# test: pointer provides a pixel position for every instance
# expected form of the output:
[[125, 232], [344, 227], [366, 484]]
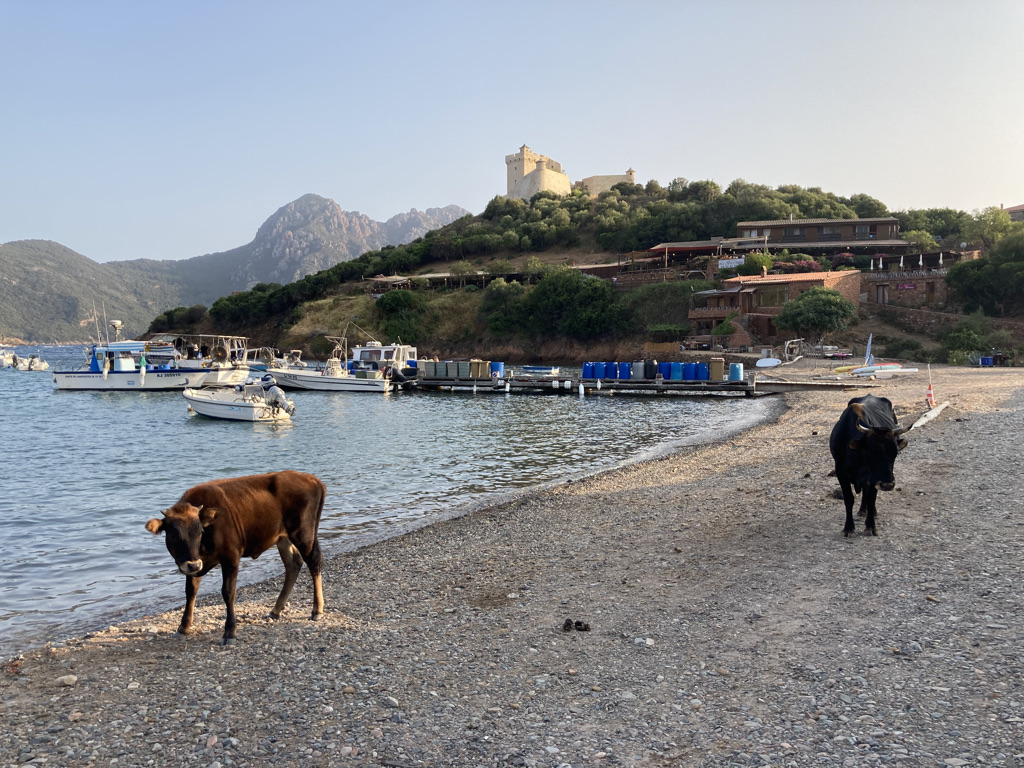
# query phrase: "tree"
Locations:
[[995, 283], [868, 207], [816, 312], [534, 268], [753, 262], [568, 303], [989, 226], [460, 270], [500, 267], [920, 241]]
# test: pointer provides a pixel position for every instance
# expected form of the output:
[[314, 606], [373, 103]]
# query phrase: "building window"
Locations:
[[865, 231], [793, 234], [830, 233], [772, 295]]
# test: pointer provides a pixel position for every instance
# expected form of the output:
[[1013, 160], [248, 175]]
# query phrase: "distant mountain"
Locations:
[[303, 237], [47, 290]]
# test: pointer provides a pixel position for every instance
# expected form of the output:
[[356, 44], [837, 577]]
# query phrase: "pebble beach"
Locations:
[[719, 618]]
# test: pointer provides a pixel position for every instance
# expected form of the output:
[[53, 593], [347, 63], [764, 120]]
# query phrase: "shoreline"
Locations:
[[729, 619], [253, 574]]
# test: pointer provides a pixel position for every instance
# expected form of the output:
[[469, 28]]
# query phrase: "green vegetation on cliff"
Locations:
[[521, 302]]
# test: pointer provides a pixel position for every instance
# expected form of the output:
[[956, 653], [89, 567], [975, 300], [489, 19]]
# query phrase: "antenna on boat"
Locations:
[[106, 332], [96, 319]]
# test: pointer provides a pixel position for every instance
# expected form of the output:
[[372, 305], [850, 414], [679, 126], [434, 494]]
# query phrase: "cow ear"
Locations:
[[154, 526], [854, 444], [901, 444], [206, 516]]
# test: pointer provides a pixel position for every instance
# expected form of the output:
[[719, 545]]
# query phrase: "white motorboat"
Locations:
[[252, 401], [335, 376], [31, 363], [122, 366]]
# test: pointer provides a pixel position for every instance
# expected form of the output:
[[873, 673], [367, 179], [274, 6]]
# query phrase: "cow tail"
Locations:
[[323, 498]]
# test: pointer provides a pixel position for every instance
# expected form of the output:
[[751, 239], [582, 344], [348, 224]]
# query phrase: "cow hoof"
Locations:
[[316, 616], [228, 641], [274, 616]]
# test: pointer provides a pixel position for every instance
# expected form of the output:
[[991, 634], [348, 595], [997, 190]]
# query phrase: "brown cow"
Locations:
[[222, 521]]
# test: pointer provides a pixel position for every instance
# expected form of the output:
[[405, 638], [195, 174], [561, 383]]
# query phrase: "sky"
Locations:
[[170, 130]]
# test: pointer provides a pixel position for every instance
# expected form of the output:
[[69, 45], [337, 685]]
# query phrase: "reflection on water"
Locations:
[[83, 471]]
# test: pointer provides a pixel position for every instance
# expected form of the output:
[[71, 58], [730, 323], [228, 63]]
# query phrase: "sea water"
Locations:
[[82, 472]]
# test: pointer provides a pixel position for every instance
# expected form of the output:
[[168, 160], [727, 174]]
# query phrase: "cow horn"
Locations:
[[901, 430], [862, 428]]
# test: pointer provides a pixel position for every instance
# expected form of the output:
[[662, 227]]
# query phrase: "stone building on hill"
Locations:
[[529, 173]]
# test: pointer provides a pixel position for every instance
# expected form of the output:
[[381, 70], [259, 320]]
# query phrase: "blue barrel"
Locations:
[[497, 370], [599, 370], [703, 374], [624, 370], [677, 371], [588, 370], [611, 370], [665, 369], [689, 371], [735, 371]]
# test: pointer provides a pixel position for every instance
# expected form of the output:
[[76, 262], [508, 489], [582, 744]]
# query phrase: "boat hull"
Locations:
[[318, 382], [128, 381]]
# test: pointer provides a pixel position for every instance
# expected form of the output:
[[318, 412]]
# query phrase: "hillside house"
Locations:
[[917, 281], [824, 236], [756, 299]]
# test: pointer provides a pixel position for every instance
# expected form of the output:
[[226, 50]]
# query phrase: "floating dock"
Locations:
[[574, 385], [639, 378]]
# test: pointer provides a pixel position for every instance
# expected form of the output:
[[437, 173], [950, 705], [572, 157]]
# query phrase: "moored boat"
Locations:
[[540, 370], [222, 357], [31, 363], [252, 402], [122, 366], [335, 376]]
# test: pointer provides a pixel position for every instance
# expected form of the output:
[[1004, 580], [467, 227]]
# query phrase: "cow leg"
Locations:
[[315, 564], [191, 590], [292, 565], [870, 495], [848, 503], [227, 591], [310, 551]]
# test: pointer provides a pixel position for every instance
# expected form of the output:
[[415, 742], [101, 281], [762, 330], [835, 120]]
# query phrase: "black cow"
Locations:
[[222, 521], [864, 444]]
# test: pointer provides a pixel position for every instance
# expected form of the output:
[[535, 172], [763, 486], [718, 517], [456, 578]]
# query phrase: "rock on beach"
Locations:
[[731, 623]]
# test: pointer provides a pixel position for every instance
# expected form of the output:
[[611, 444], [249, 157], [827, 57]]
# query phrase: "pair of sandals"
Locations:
[[579, 626]]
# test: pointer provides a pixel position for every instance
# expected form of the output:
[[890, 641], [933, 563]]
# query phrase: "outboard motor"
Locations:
[[275, 396]]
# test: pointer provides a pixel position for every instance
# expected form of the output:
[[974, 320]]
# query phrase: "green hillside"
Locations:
[[51, 293]]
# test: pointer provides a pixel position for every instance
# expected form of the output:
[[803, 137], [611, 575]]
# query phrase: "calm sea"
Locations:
[[82, 472]]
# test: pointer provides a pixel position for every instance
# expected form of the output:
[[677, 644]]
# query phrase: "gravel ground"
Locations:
[[730, 624]]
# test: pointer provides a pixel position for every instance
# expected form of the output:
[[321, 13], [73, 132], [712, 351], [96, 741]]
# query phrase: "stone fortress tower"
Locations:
[[529, 173]]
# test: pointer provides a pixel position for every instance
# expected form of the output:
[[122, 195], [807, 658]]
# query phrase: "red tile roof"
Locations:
[[798, 277]]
